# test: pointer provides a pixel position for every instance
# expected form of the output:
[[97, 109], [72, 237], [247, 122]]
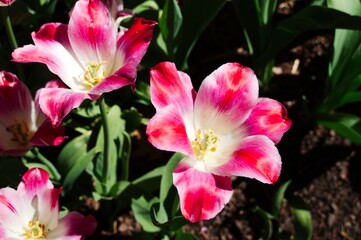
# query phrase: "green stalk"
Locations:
[[125, 160], [107, 166], [11, 37], [54, 172]]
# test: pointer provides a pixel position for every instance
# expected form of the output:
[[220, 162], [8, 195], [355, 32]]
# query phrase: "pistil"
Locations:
[[35, 230], [94, 74], [20, 132], [205, 141]]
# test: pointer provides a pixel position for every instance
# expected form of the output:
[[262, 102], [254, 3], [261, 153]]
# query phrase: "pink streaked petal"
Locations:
[[124, 77], [202, 195], [52, 48], [167, 131], [48, 135], [56, 103], [48, 207], [226, 98], [168, 86], [268, 118], [16, 102], [34, 181], [41, 117], [74, 226], [5, 3], [92, 32], [256, 157], [13, 212], [132, 45]]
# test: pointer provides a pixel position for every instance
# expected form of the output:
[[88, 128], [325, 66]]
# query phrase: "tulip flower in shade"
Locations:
[[5, 3], [22, 123], [224, 130], [89, 55], [32, 212]]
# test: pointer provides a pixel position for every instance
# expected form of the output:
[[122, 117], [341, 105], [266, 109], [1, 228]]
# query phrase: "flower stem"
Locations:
[[107, 166], [11, 37], [54, 172]]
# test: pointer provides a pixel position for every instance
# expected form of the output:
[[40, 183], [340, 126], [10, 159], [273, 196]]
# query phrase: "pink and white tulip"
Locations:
[[32, 212], [224, 130], [22, 123], [5, 3], [89, 55]]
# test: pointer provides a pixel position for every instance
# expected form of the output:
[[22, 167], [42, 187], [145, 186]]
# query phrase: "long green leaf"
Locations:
[[194, 22], [347, 125], [279, 196], [170, 22], [302, 218], [141, 208], [73, 159], [309, 18]]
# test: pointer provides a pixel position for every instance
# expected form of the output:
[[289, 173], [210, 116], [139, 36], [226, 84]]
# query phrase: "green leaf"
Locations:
[[170, 22], [347, 125], [149, 5], [184, 236], [267, 229], [116, 132], [302, 218], [119, 188], [167, 178], [151, 180], [73, 159], [308, 18], [279, 196], [141, 208], [132, 118], [194, 23], [256, 18]]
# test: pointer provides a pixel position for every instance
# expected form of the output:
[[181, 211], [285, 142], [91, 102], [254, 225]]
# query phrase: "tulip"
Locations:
[[224, 130], [22, 123], [90, 55], [32, 212]]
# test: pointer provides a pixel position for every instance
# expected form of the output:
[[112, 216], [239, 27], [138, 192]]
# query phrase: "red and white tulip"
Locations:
[[89, 55], [32, 212], [22, 123], [5, 3], [224, 130]]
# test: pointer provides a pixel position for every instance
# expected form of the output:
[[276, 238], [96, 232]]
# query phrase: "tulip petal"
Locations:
[[48, 135], [34, 181], [226, 98], [167, 131], [256, 157], [168, 86], [202, 195], [52, 48], [15, 100], [14, 213], [268, 118], [74, 226], [56, 103], [132, 45], [131, 48], [92, 33]]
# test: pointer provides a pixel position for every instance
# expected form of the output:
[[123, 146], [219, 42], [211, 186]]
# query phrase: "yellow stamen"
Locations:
[[205, 141], [21, 133], [94, 74], [35, 230]]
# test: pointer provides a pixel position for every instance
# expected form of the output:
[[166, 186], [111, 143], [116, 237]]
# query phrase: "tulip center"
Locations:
[[35, 230], [20, 132], [205, 141], [94, 74]]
